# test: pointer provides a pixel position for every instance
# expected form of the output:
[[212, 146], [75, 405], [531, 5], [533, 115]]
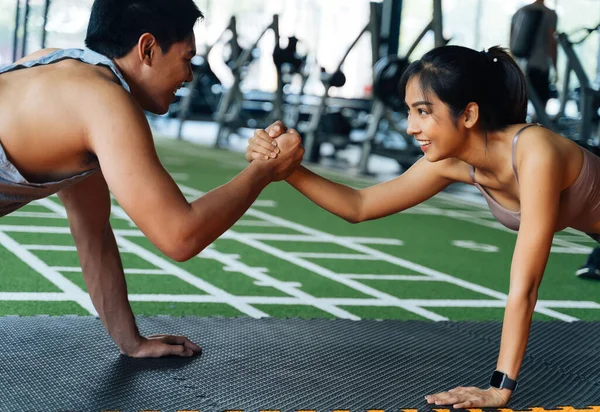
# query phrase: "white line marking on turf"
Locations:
[[257, 223], [53, 248], [584, 239], [76, 269], [373, 240], [403, 263], [419, 278], [56, 248], [479, 247], [40, 215], [579, 250], [285, 287], [265, 203], [308, 238], [175, 270], [278, 283], [344, 256], [190, 278], [265, 300], [36, 296], [391, 300], [75, 292]]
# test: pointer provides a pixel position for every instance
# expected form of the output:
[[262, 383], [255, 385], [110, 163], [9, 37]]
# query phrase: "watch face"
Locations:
[[497, 379]]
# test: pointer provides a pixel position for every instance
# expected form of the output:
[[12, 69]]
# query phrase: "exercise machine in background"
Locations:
[[585, 127], [202, 95], [228, 115], [384, 41], [386, 130]]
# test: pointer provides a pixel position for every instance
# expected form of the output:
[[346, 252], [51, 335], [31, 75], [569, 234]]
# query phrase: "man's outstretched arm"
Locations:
[[119, 134], [88, 208]]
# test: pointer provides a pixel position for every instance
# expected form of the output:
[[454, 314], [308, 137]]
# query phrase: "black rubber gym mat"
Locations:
[[70, 364]]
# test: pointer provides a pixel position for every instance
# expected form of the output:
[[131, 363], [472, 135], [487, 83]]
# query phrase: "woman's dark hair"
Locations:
[[116, 25], [459, 75]]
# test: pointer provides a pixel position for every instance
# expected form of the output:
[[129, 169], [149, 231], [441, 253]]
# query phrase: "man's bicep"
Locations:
[[121, 139]]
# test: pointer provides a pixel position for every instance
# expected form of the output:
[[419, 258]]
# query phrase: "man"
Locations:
[[72, 122], [532, 38]]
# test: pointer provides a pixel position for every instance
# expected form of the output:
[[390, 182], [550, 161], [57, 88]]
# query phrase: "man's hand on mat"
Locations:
[[263, 144], [470, 397], [157, 346]]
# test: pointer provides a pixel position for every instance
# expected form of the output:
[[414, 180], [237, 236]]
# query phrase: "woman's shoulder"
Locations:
[[534, 135], [541, 146], [454, 169]]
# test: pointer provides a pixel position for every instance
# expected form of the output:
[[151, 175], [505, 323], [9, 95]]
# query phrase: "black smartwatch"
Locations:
[[501, 381]]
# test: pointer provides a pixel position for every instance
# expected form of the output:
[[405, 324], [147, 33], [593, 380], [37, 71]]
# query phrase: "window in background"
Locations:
[[573, 15], [35, 25], [416, 15], [67, 23], [462, 24], [7, 30]]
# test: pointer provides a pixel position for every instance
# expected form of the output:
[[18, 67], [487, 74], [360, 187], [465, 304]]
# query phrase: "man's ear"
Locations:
[[471, 115], [146, 48]]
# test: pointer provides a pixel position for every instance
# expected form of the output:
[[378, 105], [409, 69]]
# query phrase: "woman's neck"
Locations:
[[487, 151]]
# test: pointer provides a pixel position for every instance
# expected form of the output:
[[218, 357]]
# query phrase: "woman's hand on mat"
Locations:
[[471, 397], [157, 346], [263, 144]]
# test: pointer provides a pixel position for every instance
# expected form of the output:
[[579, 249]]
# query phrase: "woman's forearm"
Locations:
[[515, 333], [336, 198]]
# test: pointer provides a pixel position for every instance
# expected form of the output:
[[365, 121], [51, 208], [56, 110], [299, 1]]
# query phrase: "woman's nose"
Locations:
[[412, 127]]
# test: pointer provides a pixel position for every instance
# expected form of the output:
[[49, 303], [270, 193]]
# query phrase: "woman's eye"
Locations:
[[421, 111]]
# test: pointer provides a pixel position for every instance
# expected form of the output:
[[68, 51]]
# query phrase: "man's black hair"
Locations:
[[116, 25]]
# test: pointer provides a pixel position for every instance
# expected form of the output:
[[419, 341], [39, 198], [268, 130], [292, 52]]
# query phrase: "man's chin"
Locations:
[[157, 110]]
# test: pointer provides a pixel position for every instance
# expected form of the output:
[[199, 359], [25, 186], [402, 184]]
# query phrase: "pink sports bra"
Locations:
[[579, 203]]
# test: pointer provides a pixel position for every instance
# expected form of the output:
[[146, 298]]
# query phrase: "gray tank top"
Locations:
[[579, 203], [15, 190]]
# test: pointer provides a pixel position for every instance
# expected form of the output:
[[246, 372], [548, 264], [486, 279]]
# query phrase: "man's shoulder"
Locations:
[[95, 78], [36, 55]]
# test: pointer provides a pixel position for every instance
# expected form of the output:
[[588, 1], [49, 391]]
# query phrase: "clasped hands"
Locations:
[[278, 143]]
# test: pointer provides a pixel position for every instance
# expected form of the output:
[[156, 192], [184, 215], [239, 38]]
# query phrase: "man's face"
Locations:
[[167, 73]]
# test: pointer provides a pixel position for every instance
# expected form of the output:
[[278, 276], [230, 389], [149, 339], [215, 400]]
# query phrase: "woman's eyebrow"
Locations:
[[419, 103]]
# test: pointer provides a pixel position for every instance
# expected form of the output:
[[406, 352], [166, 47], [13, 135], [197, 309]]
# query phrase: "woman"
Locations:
[[467, 111]]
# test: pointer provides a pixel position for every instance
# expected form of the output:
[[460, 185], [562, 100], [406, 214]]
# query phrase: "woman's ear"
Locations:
[[471, 115]]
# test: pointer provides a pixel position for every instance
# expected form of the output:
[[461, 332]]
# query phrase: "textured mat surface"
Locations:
[[70, 364]]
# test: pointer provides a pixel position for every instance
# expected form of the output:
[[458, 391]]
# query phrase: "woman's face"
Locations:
[[431, 124]]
